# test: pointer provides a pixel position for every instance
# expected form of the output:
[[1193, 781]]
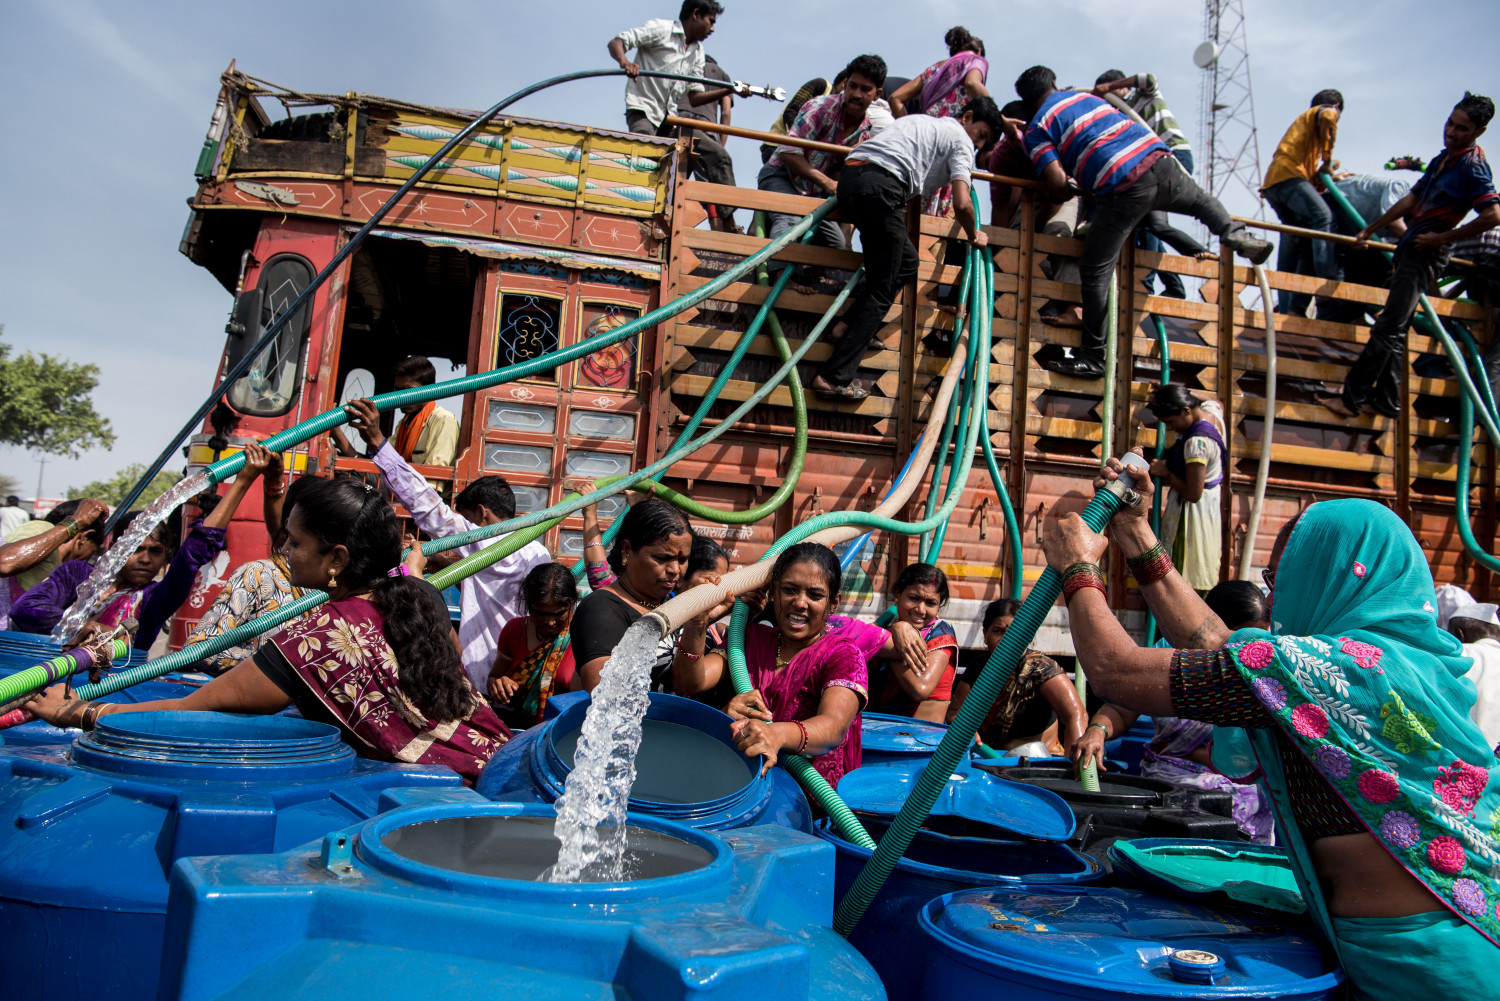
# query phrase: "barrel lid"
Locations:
[[178, 743], [972, 794], [1253, 874], [889, 734], [1124, 942]]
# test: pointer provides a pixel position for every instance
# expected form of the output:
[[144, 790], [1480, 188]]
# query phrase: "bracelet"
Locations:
[[689, 656], [1150, 566], [1079, 576], [1100, 726], [91, 713], [71, 524], [801, 744]]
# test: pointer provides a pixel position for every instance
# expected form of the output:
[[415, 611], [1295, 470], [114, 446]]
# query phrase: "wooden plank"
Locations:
[[744, 246], [734, 389], [886, 359], [749, 198], [1322, 458]]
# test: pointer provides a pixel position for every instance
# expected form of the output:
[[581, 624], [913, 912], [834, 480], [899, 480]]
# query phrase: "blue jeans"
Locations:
[[1297, 203]]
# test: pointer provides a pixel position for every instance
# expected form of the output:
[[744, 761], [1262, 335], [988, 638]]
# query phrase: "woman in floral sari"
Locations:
[[377, 660], [1385, 791], [942, 91], [809, 682]]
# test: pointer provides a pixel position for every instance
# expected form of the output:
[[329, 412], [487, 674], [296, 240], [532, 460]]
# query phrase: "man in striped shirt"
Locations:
[[1143, 96], [1130, 173], [1458, 180]]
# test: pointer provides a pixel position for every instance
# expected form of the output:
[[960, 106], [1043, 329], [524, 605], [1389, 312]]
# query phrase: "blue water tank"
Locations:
[[884, 737], [1130, 747], [983, 831], [447, 901], [1045, 943], [687, 769], [92, 831], [19, 651]]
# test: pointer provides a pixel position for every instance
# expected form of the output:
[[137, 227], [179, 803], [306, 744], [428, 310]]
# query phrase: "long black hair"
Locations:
[[346, 512], [919, 574], [649, 521], [548, 582]]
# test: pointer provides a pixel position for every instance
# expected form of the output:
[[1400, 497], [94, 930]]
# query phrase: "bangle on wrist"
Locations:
[[1151, 566], [802, 743], [1094, 723], [1079, 576], [689, 656], [71, 524]]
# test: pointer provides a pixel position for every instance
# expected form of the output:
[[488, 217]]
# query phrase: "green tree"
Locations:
[[45, 404], [112, 491]]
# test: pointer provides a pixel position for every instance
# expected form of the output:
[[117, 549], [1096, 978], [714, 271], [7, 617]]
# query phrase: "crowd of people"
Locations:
[[1339, 709]]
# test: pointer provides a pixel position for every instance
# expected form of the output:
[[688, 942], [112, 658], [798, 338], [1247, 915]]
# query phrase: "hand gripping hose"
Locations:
[[971, 714], [305, 297]]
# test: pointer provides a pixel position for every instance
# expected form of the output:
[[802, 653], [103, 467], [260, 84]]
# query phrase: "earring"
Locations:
[[624, 562], [333, 579]]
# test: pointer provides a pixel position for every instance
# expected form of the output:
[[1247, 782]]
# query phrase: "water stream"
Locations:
[[93, 593], [591, 811]]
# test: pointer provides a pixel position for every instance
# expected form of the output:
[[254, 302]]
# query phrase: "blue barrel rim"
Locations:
[[185, 743], [1093, 868], [883, 720], [548, 766], [985, 961], [370, 847]]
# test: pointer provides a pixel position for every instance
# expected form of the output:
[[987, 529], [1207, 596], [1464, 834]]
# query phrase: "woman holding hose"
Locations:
[[1386, 793], [378, 660], [808, 683]]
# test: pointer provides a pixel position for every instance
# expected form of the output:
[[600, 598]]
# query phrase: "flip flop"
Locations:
[[850, 393]]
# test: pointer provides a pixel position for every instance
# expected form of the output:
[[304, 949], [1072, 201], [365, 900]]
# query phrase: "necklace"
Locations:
[[779, 661], [650, 605]]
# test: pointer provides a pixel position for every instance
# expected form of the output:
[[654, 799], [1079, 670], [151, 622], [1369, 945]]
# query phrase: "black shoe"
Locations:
[[1078, 366], [1252, 248]]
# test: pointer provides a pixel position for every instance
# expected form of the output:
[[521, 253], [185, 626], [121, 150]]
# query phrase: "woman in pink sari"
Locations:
[[378, 660], [809, 682], [942, 91]]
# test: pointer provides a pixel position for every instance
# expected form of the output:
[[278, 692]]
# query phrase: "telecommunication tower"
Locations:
[[1226, 106]]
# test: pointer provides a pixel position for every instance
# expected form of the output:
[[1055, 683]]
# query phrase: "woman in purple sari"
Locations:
[[378, 660], [809, 682], [941, 91]]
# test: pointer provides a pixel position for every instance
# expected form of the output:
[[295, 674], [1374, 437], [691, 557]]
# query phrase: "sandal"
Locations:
[[851, 393]]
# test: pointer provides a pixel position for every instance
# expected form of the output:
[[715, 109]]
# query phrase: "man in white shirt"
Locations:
[[12, 516], [912, 158], [492, 597], [674, 47]]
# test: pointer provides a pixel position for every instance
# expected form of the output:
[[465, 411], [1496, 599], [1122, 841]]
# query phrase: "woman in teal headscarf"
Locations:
[[1387, 795]]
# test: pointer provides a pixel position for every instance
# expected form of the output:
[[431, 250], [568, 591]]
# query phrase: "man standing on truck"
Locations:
[[674, 47], [492, 597]]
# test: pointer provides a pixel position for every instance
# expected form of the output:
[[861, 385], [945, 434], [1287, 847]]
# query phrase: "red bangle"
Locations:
[[1151, 566], [1080, 576], [801, 744]]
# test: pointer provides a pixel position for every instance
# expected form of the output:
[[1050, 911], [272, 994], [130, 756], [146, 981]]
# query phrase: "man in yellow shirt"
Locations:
[[1292, 188]]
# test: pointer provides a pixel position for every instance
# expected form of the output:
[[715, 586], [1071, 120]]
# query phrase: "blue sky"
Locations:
[[107, 104]]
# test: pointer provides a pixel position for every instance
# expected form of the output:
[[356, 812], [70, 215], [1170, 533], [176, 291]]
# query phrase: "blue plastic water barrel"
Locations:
[[983, 831], [1130, 747], [447, 900], [1045, 943], [92, 831], [687, 769], [884, 737]]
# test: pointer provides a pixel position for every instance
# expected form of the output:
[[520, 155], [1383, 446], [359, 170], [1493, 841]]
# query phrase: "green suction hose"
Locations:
[[958, 414], [1461, 489], [971, 714], [62, 666]]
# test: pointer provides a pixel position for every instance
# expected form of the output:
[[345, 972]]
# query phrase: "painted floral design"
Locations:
[[1272, 693], [1468, 896], [1359, 569], [1399, 829], [1257, 655], [1378, 786], [1446, 855], [1460, 785], [1332, 761], [1366, 655], [1310, 721]]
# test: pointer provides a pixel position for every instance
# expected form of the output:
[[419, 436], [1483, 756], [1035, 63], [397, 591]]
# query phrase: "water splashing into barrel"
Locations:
[[94, 592], [591, 811]]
